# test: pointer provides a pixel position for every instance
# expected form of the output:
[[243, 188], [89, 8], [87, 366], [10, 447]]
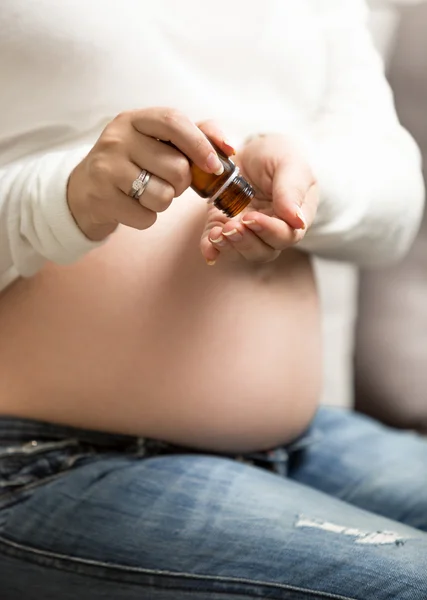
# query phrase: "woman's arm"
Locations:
[[353, 164], [368, 167], [35, 221], [56, 207]]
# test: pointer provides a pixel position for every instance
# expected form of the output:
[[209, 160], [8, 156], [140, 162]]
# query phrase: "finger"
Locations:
[[161, 160], [173, 126], [272, 231], [217, 136], [220, 242], [213, 246], [217, 239], [158, 194], [127, 211], [248, 244], [291, 183], [208, 250]]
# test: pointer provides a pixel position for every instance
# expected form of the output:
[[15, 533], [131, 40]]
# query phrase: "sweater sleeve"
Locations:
[[368, 167], [35, 222]]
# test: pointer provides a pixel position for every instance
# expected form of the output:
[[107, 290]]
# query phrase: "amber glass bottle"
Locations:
[[230, 192]]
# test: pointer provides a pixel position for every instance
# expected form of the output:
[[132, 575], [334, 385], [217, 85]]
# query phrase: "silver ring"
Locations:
[[139, 185]]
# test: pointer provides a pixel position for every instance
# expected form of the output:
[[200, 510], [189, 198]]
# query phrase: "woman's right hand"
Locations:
[[100, 187]]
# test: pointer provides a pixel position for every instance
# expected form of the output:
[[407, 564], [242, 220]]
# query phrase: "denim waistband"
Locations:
[[20, 431]]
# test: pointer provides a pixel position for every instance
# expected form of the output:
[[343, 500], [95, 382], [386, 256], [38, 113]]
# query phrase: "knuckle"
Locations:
[[99, 167], [182, 173], [111, 139], [172, 117], [166, 197], [114, 134], [123, 117]]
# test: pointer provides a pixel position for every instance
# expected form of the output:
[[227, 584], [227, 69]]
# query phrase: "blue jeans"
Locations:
[[339, 514]]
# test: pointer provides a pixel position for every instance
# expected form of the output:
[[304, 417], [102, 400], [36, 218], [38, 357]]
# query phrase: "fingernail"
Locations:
[[220, 241], [233, 235], [214, 164], [253, 225], [300, 215], [211, 262], [230, 145]]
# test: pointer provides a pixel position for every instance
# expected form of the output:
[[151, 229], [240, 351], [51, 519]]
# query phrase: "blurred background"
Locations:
[[391, 323]]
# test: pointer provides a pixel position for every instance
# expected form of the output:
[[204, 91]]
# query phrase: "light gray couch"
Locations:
[[391, 339]]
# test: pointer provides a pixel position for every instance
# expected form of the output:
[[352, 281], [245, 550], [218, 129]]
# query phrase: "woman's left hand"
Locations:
[[281, 212]]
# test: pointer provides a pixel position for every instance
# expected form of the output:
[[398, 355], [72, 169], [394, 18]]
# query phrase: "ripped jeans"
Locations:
[[340, 514]]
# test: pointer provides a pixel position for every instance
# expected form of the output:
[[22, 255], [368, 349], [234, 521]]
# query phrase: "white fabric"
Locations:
[[305, 67]]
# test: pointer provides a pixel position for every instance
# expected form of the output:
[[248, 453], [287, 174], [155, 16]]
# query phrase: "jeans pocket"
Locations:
[[27, 465]]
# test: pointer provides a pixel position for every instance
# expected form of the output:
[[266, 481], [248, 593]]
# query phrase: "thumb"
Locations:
[[291, 184]]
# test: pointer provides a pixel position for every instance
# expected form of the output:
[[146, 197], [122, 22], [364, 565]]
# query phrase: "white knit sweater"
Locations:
[[301, 66]]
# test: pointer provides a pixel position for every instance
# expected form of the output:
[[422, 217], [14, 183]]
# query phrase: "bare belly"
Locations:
[[142, 337]]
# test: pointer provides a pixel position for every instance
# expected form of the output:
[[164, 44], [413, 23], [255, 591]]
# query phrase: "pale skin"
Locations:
[[142, 336]]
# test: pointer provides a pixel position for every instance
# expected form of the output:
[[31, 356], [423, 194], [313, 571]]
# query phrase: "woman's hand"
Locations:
[[279, 216], [100, 187]]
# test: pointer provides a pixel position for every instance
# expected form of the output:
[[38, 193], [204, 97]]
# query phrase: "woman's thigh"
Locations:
[[200, 527], [367, 464]]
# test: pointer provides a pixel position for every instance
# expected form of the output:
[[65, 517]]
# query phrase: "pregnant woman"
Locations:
[[159, 362]]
